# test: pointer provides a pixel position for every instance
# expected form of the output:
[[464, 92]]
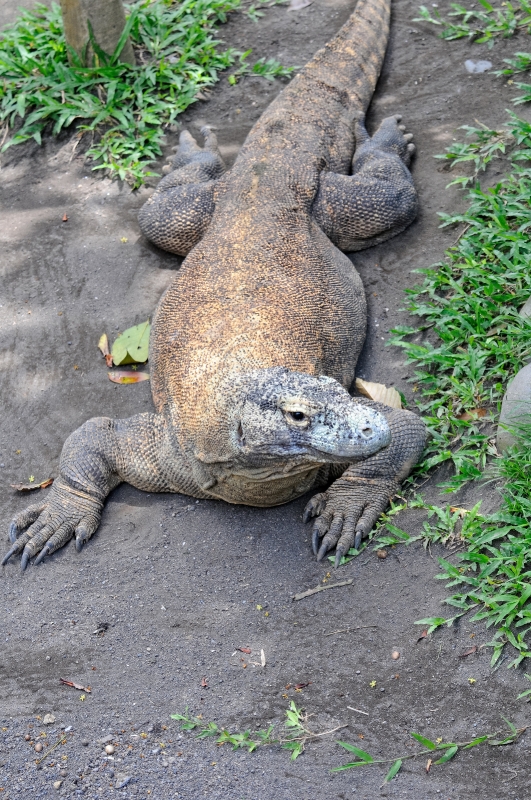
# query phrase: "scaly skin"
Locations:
[[255, 343]]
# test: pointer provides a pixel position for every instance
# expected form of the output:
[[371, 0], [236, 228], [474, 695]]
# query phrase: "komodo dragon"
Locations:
[[255, 343]]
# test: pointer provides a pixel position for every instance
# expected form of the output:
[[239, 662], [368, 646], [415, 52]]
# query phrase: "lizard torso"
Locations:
[[265, 287]]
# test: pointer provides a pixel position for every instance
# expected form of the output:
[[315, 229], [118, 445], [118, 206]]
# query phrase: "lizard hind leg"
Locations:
[[208, 157], [179, 211], [379, 199]]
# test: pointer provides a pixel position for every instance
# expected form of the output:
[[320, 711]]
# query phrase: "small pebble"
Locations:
[[395, 655], [156, 751], [48, 658], [381, 553], [38, 747], [57, 784], [27, 737], [84, 742], [49, 719], [165, 763], [477, 66], [63, 773], [109, 749]]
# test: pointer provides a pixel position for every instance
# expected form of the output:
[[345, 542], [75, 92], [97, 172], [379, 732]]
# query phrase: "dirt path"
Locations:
[[177, 584]]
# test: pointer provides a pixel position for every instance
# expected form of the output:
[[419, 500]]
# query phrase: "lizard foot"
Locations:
[[346, 513], [392, 136], [189, 152], [45, 527]]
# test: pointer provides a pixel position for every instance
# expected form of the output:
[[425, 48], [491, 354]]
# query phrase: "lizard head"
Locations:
[[284, 414]]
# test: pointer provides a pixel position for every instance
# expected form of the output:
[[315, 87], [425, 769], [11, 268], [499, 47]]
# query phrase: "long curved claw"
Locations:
[[357, 540], [83, 533], [314, 507], [18, 545], [320, 528], [11, 552], [326, 545], [346, 541], [44, 552], [13, 532], [24, 561], [332, 537]]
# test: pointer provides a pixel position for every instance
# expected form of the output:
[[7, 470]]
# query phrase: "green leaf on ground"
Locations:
[[366, 757], [131, 347], [450, 753], [426, 742], [395, 769]]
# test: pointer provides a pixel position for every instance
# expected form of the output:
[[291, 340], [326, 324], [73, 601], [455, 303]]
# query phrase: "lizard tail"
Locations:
[[350, 63]]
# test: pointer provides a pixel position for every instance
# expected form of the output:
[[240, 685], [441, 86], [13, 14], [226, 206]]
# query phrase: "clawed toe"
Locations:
[[314, 507]]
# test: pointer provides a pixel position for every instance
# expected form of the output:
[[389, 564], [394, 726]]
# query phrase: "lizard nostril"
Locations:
[[366, 432]]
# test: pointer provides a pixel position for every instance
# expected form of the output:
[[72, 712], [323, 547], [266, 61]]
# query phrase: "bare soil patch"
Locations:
[[172, 585]]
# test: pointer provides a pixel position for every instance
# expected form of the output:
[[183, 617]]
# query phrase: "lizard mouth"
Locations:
[[362, 433]]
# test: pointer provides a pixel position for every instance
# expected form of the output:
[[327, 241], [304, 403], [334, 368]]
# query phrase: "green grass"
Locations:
[[470, 339], [445, 750], [123, 109], [468, 342], [292, 735], [482, 24]]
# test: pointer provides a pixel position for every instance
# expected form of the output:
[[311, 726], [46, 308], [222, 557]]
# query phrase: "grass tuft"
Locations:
[[122, 108], [470, 339]]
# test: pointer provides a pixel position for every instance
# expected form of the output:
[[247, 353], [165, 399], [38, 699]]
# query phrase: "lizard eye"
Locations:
[[298, 416]]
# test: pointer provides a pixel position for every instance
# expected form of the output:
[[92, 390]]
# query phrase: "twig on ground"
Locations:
[[309, 592]]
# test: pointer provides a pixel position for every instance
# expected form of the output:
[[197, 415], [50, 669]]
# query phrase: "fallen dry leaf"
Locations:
[[127, 376], [474, 413], [244, 650], [379, 393], [302, 685], [428, 765], [30, 487], [422, 636], [103, 346], [469, 652], [76, 685], [460, 511]]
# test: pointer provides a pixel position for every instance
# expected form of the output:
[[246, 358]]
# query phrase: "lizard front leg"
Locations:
[[179, 211], [96, 458], [378, 200], [348, 509]]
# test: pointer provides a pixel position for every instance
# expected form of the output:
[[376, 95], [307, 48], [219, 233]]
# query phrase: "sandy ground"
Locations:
[[177, 584]]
